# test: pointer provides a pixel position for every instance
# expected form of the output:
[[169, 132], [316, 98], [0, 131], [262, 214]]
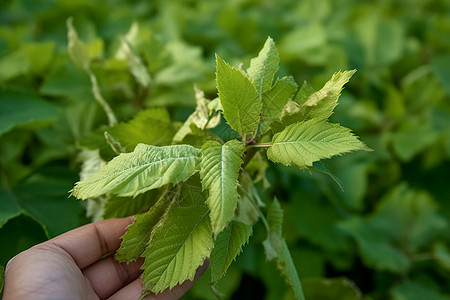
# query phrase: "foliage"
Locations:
[[144, 59]]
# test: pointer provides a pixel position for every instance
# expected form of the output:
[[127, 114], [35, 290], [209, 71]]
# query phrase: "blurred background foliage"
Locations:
[[386, 236]]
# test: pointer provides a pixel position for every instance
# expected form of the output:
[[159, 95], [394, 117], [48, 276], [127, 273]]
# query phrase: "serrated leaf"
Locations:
[[263, 67], [320, 105], [78, 51], [147, 167], [240, 101], [135, 240], [219, 172], [303, 143], [275, 100], [227, 246], [276, 249], [152, 126], [180, 243]]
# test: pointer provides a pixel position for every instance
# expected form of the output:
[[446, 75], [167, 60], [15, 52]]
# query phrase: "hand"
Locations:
[[71, 266]]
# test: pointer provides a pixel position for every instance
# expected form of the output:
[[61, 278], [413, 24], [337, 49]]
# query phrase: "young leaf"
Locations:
[[135, 64], [147, 167], [276, 248], [219, 172], [240, 101], [320, 105], [303, 143], [263, 67], [203, 117], [78, 51], [135, 240], [152, 126], [228, 245], [275, 100], [179, 244]]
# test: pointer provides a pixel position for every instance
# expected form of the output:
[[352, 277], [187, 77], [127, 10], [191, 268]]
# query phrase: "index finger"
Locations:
[[89, 243]]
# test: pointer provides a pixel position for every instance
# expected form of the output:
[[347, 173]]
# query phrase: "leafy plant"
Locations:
[[195, 187]]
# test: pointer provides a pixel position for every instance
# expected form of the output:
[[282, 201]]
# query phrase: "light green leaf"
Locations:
[[263, 67], [78, 51], [135, 240], [240, 101], [179, 244], [227, 246], [320, 105], [303, 143], [152, 126], [275, 100], [276, 248], [219, 172], [147, 167]]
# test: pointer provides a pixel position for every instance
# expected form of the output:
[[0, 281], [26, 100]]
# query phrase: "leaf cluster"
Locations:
[[198, 217]]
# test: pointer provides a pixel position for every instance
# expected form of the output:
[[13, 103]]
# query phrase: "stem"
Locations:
[[261, 145]]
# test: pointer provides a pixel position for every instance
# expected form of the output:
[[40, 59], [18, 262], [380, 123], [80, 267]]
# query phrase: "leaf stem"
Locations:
[[261, 145]]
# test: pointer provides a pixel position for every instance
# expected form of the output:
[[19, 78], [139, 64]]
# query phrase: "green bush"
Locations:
[[384, 237]]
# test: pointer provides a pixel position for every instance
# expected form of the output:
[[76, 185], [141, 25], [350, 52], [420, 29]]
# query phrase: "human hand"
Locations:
[[71, 266]]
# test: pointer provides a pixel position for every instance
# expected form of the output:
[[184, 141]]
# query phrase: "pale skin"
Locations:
[[73, 266]]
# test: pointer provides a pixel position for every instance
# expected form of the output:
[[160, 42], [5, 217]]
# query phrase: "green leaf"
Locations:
[[152, 127], [275, 100], [263, 67], [2, 278], [179, 244], [329, 288], [78, 51], [227, 246], [120, 207], [303, 143], [219, 172], [25, 110], [147, 167], [45, 201], [276, 249], [412, 290], [320, 105], [240, 101], [375, 247], [319, 167], [9, 208], [135, 240]]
